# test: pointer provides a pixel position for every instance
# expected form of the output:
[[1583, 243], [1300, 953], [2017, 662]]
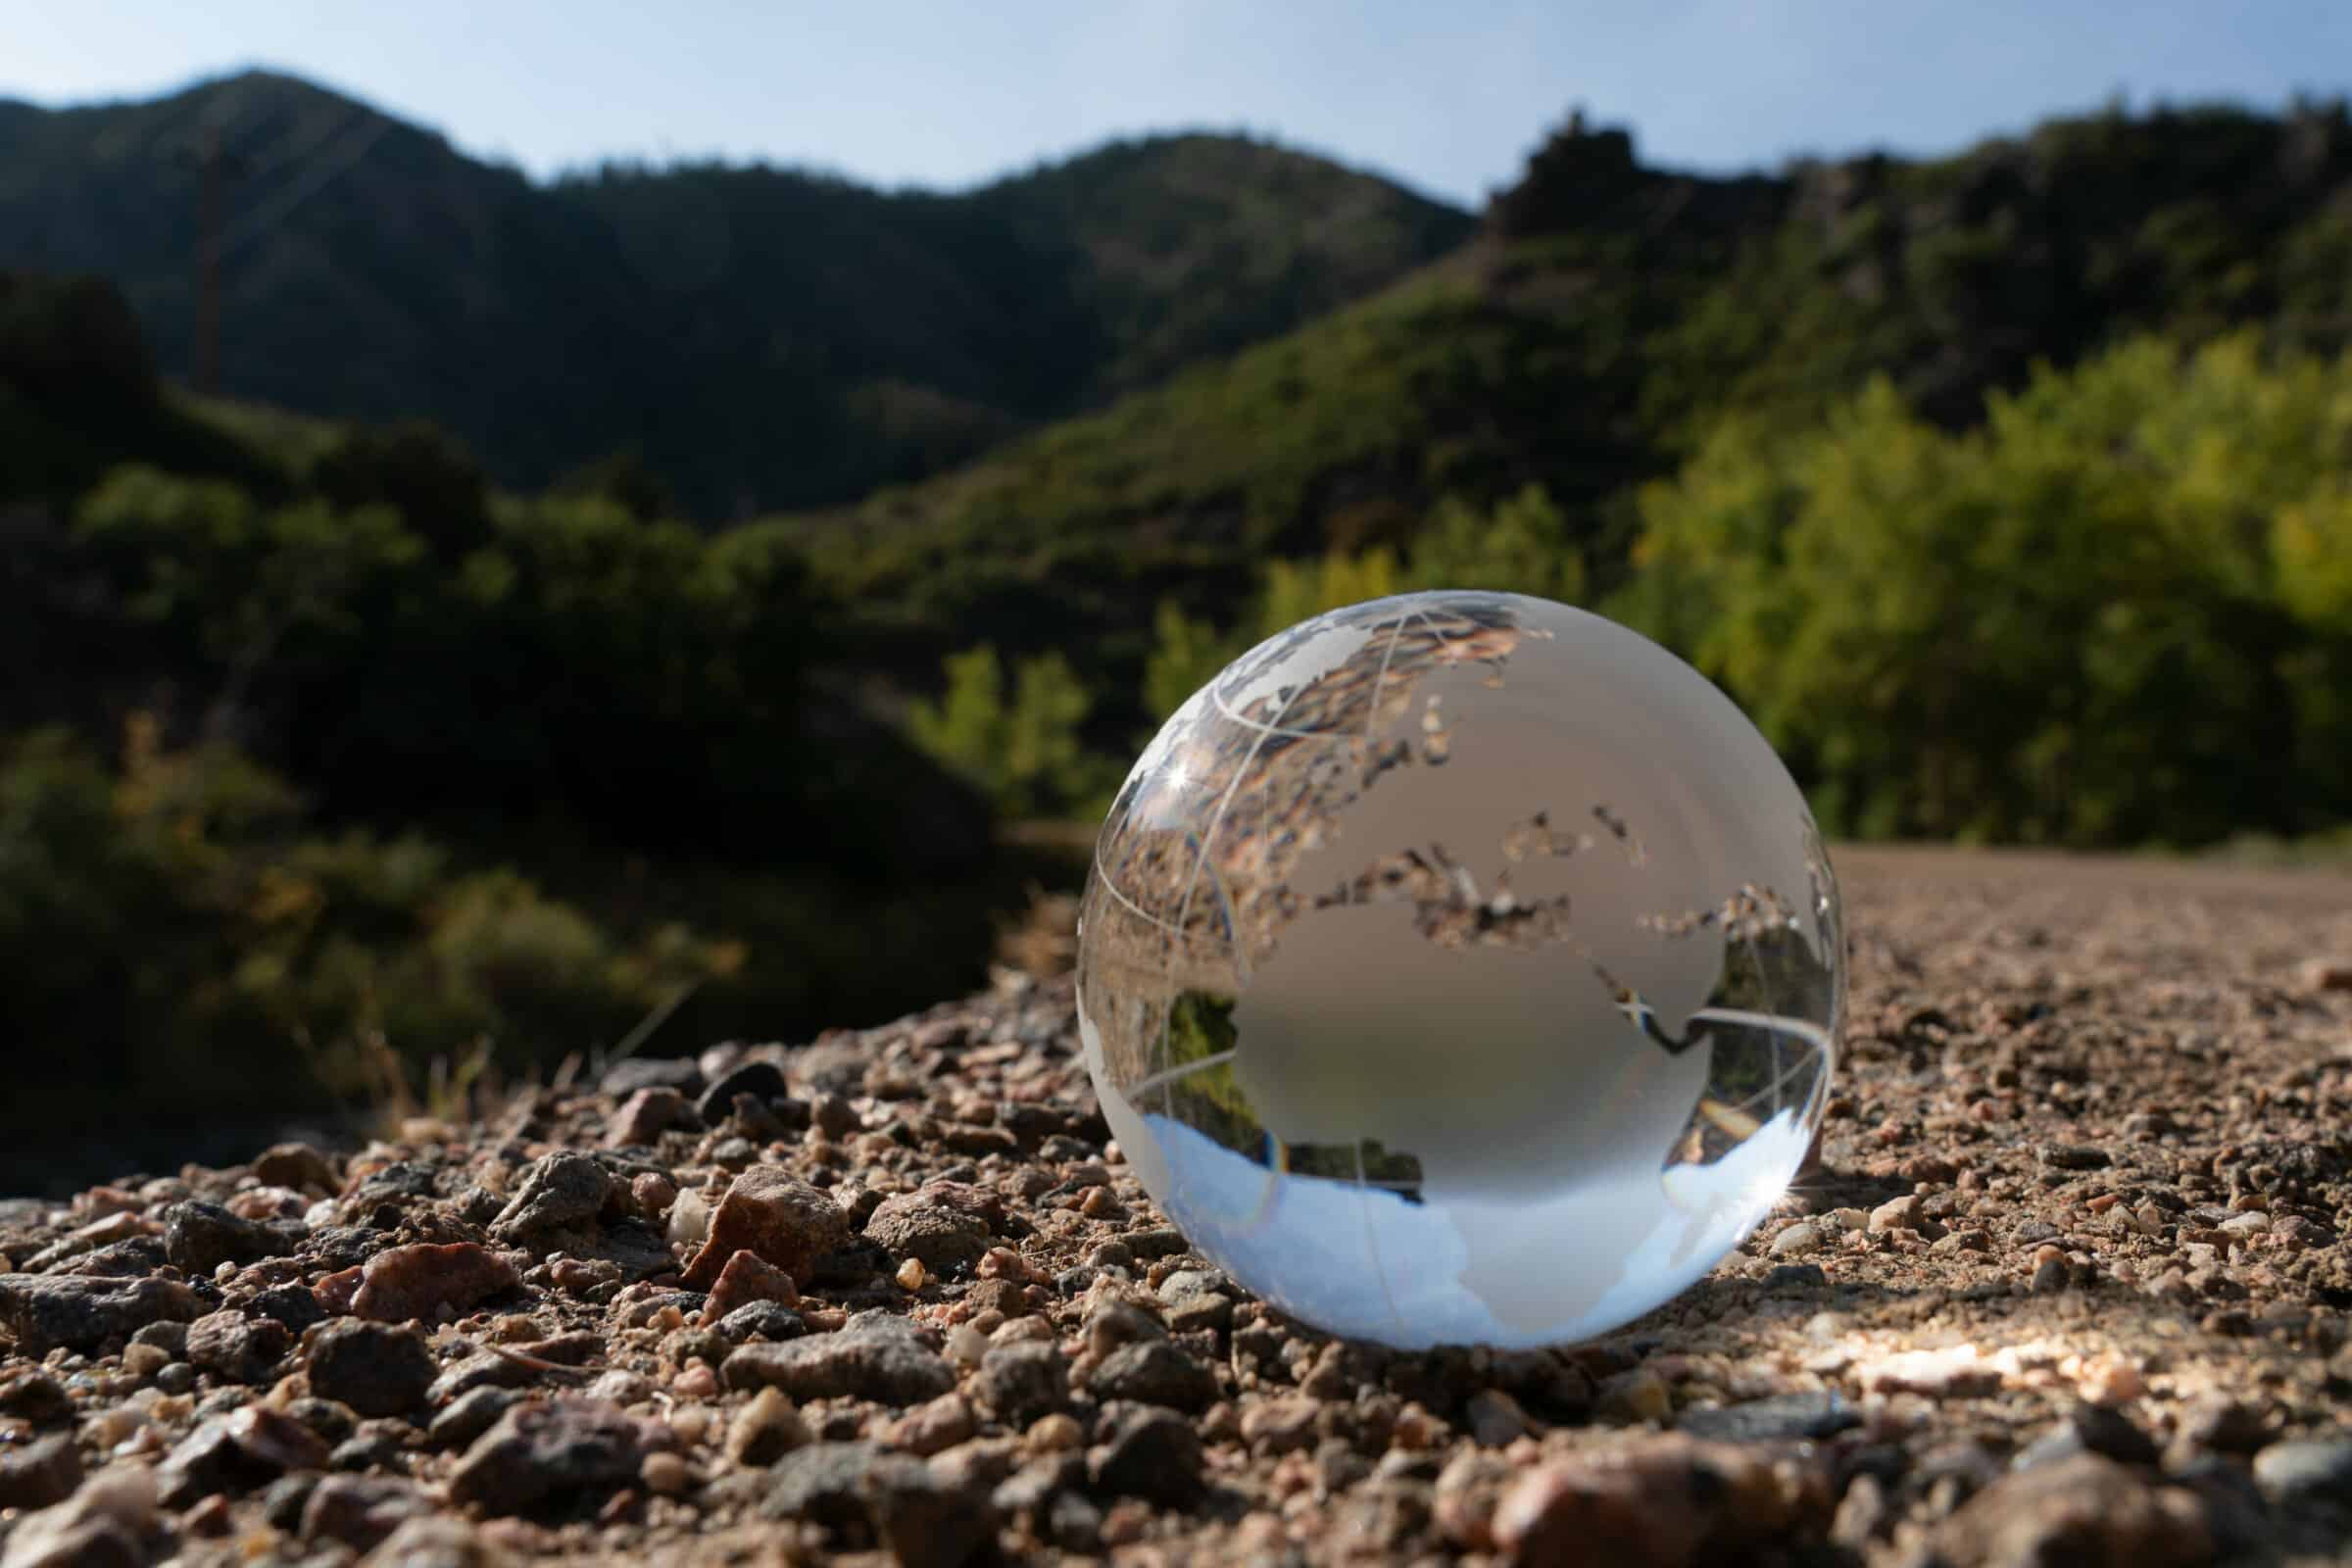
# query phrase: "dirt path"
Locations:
[[2073, 1285]]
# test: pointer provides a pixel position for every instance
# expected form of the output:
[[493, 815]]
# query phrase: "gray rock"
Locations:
[[81, 1313], [294, 1305], [1160, 1240], [2089, 1429], [333, 1421], [1802, 1236], [383, 1197], [1794, 1277], [1153, 1372], [926, 1524], [561, 1192], [282, 1501], [546, 1449], [1773, 1418], [360, 1510], [437, 1541], [484, 1369], [763, 1080], [945, 1239], [2073, 1156], [1151, 1453], [858, 1487], [132, 1258], [826, 1483], [2306, 1470], [110, 1523], [1020, 1383], [766, 1320], [834, 1116], [31, 1395], [1032, 1488], [39, 1473], [170, 1337], [1115, 1323], [242, 1348], [198, 1237], [1205, 1310], [376, 1368], [2217, 1421], [234, 1455], [1074, 1524], [2086, 1509], [870, 1361], [1187, 1282], [377, 1445], [469, 1416]]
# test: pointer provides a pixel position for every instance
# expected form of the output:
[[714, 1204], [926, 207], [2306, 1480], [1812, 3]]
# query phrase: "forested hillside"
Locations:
[[1608, 318], [758, 337]]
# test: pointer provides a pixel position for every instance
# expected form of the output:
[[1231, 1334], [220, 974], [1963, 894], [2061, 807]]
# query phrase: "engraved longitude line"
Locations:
[[1218, 698], [1772, 999], [1781, 1075], [1169, 1075], [1363, 1206], [1372, 710], [1147, 916]]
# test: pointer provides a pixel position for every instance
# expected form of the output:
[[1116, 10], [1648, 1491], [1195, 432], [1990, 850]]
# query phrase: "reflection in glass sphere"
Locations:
[[1461, 968]]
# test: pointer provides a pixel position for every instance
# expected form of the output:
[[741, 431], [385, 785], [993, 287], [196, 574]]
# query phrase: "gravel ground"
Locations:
[[2068, 1286]]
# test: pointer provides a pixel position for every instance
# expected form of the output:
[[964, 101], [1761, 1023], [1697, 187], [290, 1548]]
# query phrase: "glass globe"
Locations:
[[1461, 968]]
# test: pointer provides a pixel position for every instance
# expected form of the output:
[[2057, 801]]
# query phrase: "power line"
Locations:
[[348, 150]]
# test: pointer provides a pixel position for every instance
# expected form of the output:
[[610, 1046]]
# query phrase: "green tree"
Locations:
[[1186, 655], [1520, 545], [2104, 616], [1022, 748]]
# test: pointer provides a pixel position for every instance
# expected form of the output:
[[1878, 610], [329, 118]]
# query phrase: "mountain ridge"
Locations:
[[1607, 316], [765, 337]]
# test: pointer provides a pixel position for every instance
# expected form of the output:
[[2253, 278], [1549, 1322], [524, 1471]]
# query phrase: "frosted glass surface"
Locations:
[[1461, 968]]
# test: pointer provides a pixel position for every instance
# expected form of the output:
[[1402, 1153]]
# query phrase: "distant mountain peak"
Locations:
[[765, 337]]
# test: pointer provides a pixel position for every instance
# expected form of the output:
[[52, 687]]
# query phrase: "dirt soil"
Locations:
[[2069, 1285]]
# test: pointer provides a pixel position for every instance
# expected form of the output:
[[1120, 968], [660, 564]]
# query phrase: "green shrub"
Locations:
[[1023, 749], [2115, 613], [169, 936]]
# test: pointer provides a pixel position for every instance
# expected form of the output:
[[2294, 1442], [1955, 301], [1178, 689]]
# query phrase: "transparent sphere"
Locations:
[[1461, 968]]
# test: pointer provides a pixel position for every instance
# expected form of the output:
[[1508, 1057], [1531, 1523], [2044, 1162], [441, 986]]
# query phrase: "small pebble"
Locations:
[[1801, 1237], [1054, 1433], [2306, 1469], [665, 1474], [766, 1429]]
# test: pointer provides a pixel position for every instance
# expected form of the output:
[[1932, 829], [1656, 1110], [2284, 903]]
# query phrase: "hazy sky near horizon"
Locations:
[[1447, 97]]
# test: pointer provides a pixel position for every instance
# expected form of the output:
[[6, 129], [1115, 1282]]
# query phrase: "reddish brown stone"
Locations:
[[2084, 1509], [780, 1219], [747, 1278], [418, 1281], [646, 1115], [1659, 1504]]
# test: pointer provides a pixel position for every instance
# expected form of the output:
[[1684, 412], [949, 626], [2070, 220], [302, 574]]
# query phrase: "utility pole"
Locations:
[[210, 205]]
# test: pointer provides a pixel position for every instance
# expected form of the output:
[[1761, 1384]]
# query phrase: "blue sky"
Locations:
[[1445, 96]]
